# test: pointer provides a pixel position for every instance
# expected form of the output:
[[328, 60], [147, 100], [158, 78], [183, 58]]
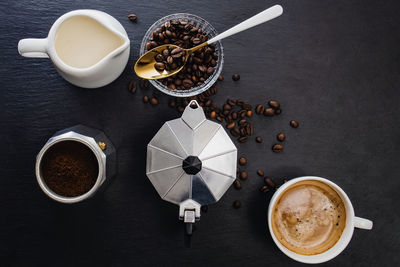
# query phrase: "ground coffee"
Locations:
[[69, 168]]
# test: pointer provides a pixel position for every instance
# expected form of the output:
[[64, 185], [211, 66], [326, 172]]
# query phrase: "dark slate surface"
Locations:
[[334, 66]]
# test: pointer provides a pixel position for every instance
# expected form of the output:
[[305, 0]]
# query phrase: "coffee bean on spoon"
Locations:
[[277, 148]]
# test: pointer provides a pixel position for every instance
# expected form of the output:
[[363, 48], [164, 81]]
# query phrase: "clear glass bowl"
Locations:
[[199, 23]]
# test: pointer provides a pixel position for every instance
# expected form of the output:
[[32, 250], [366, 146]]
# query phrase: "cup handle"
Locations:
[[362, 223], [33, 47]]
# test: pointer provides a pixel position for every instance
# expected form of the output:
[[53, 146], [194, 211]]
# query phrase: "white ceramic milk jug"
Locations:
[[89, 48]]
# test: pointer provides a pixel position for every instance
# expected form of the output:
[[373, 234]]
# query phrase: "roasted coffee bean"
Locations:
[[159, 66], [237, 184], [154, 101], [230, 102], [235, 132], [132, 87], [208, 103], [213, 115], [249, 113], [200, 66], [269, 182], [260, 109], [277, 148], [231, 125], [294, 124], [242, 122], [247, 106], [132, 17], [278, 111], [264, 189], [243, 175], [219, 119], [225, 112], [260, 173], [204, 208], [187, 83], [234, 115], [144, 83], [243, 139], [242, 161], [145, 99], [239, 102], [236, 77], [259, 139], [274, 104], [180, 109], [269, 112], [172, 103], [227, 107], [236, 204], [220, 78], [243, 133], [281, 137], [228, 119]]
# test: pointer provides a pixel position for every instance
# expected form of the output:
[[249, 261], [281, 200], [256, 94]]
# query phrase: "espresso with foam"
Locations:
[[309, 217]]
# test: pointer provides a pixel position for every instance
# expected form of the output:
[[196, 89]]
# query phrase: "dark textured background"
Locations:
[[334, 66]]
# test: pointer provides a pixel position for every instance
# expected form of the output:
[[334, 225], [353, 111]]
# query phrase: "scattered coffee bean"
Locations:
[[274, 104], [145, 99], [260, 173], [220, 78], [278, 111], [264, 189], [172, 103], [242, 139], [154, 101], [260, 109], [294, 124], [236, 204], [237, 184], [269, 112], [249, 113], [144, 83], [242, 161], [269, 182], [231, 125], [132, 87], [277, 148], [259, 139], [204, 208], [132, 17], [236, 77], [281, 137], [213, 115], [243, 175]]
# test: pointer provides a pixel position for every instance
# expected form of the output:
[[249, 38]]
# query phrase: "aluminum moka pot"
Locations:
[[191, 162], [97, 142]]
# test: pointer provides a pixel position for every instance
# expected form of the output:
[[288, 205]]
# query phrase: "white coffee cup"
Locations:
[[351, 222], [103, 72]]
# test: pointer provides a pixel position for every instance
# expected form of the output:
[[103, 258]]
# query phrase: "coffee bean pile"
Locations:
[[236, 116], [199, 66], [171, 58]]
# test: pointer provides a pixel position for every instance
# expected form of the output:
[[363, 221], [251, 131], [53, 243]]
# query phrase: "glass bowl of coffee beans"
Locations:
[[202, 68]]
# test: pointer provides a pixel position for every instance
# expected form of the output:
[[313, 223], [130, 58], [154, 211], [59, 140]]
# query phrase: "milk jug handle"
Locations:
[[33, 47]]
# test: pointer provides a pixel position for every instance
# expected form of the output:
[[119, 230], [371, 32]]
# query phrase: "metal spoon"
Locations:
[[144, 66]]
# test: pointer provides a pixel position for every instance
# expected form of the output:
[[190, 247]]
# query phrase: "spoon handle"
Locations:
[[264, 16]]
